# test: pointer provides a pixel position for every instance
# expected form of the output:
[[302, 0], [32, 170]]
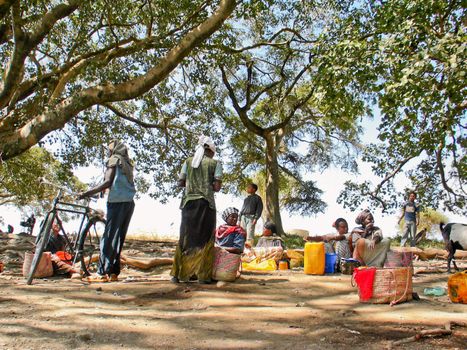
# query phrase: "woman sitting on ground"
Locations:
[[269, 246], [369, 246], [61, 260], [270, 239], [336, 243], [230, 236]]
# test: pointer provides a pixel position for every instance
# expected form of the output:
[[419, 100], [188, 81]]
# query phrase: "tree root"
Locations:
[[447, 330]]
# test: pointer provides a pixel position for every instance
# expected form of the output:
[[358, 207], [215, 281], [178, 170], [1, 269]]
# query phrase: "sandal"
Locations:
[[97, 279], [113, 277]]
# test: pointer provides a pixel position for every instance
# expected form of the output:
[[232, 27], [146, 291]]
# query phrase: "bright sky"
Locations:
[[163, 220]]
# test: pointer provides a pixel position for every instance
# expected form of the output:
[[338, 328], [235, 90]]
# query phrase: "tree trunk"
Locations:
[[272, 207]]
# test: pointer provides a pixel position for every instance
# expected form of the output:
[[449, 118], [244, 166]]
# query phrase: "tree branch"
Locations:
[[163, 127], [24, 43], [122, 115], [15, 141], [393, 173], [439, 163], [241, 111]]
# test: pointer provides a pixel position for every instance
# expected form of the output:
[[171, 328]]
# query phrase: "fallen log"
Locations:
[[145, 264], [422, 270], [431, 253], [447, 330]]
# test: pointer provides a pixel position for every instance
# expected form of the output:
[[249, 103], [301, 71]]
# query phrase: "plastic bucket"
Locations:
[[283, 265], [330, 263]]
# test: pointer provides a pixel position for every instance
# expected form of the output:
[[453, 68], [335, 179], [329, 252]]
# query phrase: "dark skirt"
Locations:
[[195, 252]]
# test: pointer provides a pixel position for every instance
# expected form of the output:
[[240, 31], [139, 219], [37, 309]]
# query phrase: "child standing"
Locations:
[[251, 211]]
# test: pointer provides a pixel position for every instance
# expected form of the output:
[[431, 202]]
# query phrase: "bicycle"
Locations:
[[80, 247]]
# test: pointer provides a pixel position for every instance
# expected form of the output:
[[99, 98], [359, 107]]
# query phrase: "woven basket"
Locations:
[[44, 269], [391, 286], [225, 265]]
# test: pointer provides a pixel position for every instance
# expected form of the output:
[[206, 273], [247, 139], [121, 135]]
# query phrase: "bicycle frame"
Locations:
[[87, 220]]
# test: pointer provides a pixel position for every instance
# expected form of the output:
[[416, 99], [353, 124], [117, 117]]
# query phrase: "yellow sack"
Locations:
[[256, 265], [296, 257], [294, 254]]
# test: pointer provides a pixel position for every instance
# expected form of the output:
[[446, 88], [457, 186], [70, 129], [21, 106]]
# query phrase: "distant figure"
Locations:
[[200, 176], [29, 223], [411, 216], [120, 206], [368, 244], [230, 236], [251, 211], [10, 229]]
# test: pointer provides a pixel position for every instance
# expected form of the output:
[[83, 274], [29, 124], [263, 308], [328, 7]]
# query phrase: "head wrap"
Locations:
[[229, 211], [204, 142], [119, 156], [362, 216]]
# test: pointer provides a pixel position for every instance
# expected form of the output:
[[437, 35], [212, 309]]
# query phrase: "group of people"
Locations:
[[364, 243], [201, 177]]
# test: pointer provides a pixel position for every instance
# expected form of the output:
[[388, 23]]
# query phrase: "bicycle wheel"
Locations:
[[88, 247], [41, 243]]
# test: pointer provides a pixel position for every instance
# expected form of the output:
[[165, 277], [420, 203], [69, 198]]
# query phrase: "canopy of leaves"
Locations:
[[418, 53], [194, 100], [60, 59], [276, 73], [32, 179]]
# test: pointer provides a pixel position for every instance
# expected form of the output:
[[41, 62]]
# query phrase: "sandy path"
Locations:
[[281, 310]]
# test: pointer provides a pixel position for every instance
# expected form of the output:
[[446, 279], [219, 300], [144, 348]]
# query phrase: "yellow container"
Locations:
[[457, 287], [314, 258]]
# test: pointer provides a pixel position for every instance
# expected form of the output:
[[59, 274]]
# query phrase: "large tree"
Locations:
[[286, 106], [60, 59], [419, 54]]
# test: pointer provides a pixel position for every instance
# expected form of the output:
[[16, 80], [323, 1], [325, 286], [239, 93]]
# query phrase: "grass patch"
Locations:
[[426, 243], [294, 241], [290, 241]]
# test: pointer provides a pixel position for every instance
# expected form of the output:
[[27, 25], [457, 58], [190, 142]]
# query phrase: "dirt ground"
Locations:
[[279, 310]]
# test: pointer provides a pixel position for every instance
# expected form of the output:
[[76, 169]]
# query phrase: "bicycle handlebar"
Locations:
[[67, 191]]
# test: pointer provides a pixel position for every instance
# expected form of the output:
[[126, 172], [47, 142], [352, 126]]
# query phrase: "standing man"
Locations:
[[411, 216], [251, 211], [120, 206], [200, 176]]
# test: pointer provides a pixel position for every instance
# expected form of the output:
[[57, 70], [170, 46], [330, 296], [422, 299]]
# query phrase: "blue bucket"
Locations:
[[330, 266]]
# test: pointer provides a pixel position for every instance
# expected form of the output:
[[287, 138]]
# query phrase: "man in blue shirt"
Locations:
[[411, 216]]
